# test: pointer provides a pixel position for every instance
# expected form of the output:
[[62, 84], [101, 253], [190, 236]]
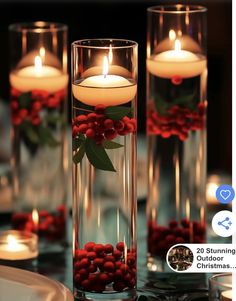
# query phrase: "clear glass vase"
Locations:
[[104, 86], [176, 128], [38, 82]]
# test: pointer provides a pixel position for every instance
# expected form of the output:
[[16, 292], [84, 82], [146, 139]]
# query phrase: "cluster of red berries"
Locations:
[[52, 226], [99, 268], [97, 126], [39, 100], [179, 121], [161, 238]]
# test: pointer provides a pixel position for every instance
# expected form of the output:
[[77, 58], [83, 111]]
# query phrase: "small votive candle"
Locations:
[[18, 245]]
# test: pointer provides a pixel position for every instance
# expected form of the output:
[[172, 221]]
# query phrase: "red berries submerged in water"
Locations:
[[97, 126], [97, 267], [178, 121]]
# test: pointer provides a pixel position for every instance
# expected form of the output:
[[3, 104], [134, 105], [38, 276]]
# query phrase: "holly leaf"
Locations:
[[97, 156], [76, 142], [77, 158], [25, 100], [46, 137], [117, 113], [32, 134], [111, 144], [161, 105]]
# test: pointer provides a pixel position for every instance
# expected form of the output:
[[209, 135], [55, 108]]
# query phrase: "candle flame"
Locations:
[[110, 55], [42, 52], [38, 64], [177, 45], [12, 242], [35, 217], [105, 66], [172, 35], [188, 209]]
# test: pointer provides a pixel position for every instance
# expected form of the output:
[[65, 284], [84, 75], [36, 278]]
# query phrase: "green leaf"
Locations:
[[76, 142], [25, 100], [46, 137], [116, 113], [142, 298], [163, 285], [97, 156], [111, 144], [32, 134], [161, 105], [77, 158]]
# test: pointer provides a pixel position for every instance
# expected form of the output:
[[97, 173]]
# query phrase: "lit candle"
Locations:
[[104, 89], [227, 295], [13, 250], [38, 77], [176, 62], [211, 187]]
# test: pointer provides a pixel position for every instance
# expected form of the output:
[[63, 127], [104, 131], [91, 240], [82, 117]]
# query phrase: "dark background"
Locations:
[[127, 19]]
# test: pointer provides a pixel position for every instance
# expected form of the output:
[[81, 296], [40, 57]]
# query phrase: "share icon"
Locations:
[[222, 223]]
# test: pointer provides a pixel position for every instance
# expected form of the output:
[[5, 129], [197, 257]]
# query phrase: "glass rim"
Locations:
[[213, 280], [79, 43], [176, 9], [38, 27]]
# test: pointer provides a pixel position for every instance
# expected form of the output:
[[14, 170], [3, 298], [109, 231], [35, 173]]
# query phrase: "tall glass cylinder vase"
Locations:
[[176, 128], [38, 81], [104, 87]]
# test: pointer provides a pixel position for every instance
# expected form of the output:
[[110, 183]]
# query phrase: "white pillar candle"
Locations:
[[14, 250], [104, 89], [176, 62], [38, 77]]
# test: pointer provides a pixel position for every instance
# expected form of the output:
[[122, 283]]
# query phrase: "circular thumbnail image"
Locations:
[[179, 258]]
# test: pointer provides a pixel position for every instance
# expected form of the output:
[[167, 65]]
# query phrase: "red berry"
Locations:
[[92, 278], [109, 266], [81, 119], [104, 278], [100, 118], [37, 106], [110, 134], [98, 287], [75, 131], [119, 125], [99, 138], [173, 224], [118, 264], [109, 258], [185, 223], [83, 273], [23, 113], [108, 123], [89, 246], [14, 105], [134, 123], [98, 262], [91, 255], [179, 240], [36, 120], [91, 117], [16, 120], [120, 246], [98, 248], [124, 268], [90, 133], [130, 127], [126, 119], [119, 286], [77, 279], [165, 134], [82, 128], [92, 268], [84, 263], [108, 248], [176, 80], [99, 109], [85, 284], [118, 275], [170, 238], [130, 260], [81, 254], [117, 254]]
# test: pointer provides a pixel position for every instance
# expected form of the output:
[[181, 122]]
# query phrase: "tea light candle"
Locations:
[[104, 89], [16, 245], [38, 77], [176, 62], [227, 295]]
